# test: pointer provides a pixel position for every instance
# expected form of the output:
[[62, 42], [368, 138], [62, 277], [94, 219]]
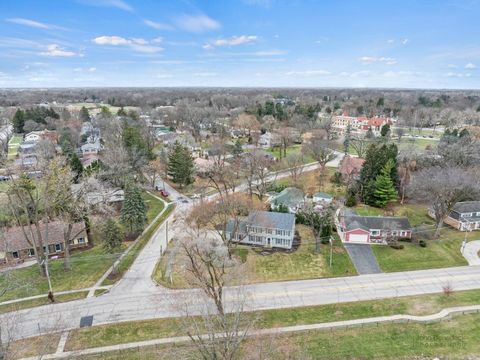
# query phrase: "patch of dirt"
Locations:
[[422, 308]]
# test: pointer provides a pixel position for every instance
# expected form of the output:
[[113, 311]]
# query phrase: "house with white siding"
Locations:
[[263, 228]]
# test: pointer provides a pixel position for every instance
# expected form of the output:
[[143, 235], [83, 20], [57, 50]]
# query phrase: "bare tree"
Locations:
[[442, 188], [360, 144], [407, 162], [321, 152], [257, 173], [294, 162], [216, 328]]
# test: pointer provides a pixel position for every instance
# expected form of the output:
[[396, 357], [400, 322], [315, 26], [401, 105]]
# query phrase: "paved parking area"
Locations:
[[363, 258]]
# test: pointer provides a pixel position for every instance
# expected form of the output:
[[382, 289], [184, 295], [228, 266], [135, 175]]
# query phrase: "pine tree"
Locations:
[[112, 236], [384, 188], [84, 114], [77, 167], [180, 165], [134, 210], [237, 148], [346, 142], [385, 131], [19, 121]]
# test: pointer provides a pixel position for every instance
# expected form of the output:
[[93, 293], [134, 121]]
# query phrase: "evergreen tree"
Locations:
[[76, 166], [385, 131], [121, 112], [346, 142], [84, 114], [135, 142], [384, 188], [112, 236], [375, 159], [464, 133], [237, 148], [19, 121], [180, 165], [134, 210]]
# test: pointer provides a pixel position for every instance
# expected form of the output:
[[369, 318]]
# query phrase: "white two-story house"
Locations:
[[263, 228]]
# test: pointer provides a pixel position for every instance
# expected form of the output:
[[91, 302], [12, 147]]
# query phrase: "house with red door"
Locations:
[[354, 228]]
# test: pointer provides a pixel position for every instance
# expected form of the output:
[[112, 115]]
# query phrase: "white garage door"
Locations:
[[358, 238]]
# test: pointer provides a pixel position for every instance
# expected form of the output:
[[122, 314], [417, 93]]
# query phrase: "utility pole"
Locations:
[[331, 250]]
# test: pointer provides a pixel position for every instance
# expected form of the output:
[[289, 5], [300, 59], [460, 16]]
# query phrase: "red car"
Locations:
[[164, 193]]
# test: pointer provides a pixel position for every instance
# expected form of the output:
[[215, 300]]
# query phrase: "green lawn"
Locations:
[[304, 263], [128, 259], [42, 301], [87, 267], [119, 333], [154, 205], [16, 139], [442, 252]]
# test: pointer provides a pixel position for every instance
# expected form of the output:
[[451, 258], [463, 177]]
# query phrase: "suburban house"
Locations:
[[350, 167], [464, 216], [93, 146], [14, 247], [263, 228], [322, 198], [265, 140], [36, 136], [353, 228], [292, 198]]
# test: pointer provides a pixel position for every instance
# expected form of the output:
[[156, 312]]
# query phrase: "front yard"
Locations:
[[442, 252], [304, 263]]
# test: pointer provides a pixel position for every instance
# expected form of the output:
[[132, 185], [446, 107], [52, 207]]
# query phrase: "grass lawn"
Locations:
[[4, 186], [442, 252], [416, 305], [128, 259], [13, 146], [87, 267], [309, 182], [453, 339], [304, 263], [16, 139], [294, 149], [154, 205], [42, 301]]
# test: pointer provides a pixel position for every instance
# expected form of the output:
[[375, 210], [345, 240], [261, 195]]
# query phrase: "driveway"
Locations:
[[471, 252], [363, 258]]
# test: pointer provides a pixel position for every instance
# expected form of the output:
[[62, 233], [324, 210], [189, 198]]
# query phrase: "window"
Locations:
[[58, 247], [467, 215], [31, 252], [269, 231], [478, 214], [403, 233], [15, 254], [81, 240], [375, 232]]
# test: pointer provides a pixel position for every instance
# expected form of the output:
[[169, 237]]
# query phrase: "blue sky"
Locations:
[[294, 43]]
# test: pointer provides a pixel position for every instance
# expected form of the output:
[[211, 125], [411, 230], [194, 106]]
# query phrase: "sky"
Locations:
[[242, 43]]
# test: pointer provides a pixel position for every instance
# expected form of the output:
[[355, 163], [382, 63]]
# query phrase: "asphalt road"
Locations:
[[135, 297]]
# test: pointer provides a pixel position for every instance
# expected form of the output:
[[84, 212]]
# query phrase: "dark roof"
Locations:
[[353, 222], [13, 239], [266, 219], [467, 207]]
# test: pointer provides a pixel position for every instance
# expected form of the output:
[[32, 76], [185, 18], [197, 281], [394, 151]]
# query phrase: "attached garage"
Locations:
[[357, 236]]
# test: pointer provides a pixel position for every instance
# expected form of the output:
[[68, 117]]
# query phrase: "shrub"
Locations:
[[397, 246], [422, 243], [351, 201]]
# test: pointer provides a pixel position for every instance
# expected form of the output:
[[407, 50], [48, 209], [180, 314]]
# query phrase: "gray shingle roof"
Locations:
[[467, 207], [376, 222], [273, 220]]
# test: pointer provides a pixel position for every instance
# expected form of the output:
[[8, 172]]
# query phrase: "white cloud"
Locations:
[[92, 69], [206, 74], [137, 44], [157, 40], [55, 51], [405, 41], [367, 60], [308, 73], [390, 41], [119, 4], [235, 40], [28, 22], [470, 66], [454, 74], [207, 46], [452, 66], [164, 76], [270, 53], [157, 25], [197, 23]]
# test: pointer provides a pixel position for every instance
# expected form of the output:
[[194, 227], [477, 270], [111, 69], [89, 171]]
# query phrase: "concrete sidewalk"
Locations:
[[443, 314]]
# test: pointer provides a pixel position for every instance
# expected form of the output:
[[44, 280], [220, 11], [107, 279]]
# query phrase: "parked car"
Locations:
[[3, 178], [164, 193]]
